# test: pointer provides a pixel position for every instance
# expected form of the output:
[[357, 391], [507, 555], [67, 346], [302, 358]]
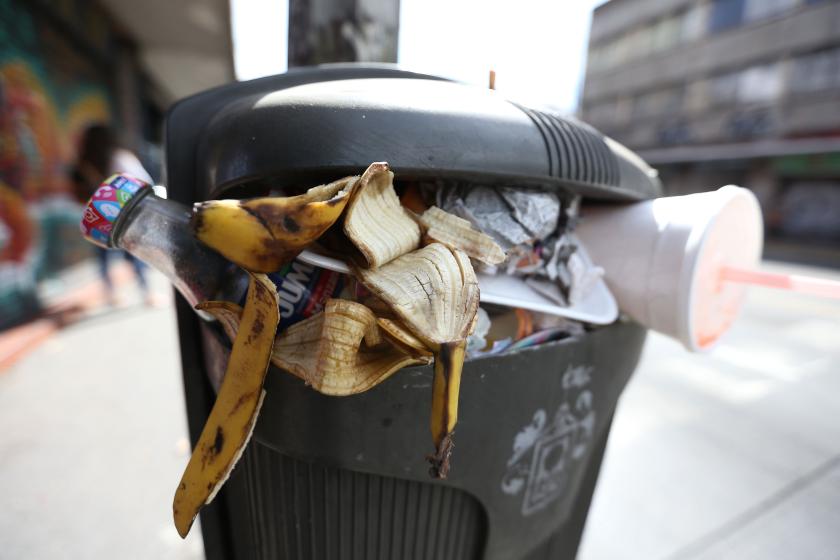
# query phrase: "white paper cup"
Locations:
[[663, 259]]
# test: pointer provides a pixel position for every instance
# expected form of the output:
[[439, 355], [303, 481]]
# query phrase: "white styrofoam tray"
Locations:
[[598, 307]]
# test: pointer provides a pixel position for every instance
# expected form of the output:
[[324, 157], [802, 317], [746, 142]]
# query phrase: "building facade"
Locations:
[[713, 92]]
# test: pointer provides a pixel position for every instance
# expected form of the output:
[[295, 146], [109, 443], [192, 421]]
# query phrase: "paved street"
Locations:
[[731, 455]]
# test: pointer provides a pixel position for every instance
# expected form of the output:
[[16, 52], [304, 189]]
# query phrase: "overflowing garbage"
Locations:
[[508, 330], [347, 283], [532, 226], [535, 230], [403, 289]]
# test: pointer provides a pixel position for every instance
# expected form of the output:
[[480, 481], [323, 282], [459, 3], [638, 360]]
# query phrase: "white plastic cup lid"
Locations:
[[663, 259]]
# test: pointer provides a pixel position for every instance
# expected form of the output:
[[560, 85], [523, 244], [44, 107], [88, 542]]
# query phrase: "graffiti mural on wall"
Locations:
[[48, 95]]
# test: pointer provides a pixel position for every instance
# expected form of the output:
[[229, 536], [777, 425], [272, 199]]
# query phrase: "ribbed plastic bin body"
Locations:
[[345, 478]]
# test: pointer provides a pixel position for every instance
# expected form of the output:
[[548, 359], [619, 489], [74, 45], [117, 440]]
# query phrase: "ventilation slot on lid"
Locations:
[[576, 152]]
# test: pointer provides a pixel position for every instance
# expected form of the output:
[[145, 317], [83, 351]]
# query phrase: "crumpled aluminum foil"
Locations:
[[532, 227]]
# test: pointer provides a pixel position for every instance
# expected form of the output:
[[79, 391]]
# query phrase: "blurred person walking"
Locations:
[[99, 157]]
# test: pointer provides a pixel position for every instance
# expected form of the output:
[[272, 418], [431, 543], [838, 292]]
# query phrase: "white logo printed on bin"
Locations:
[[544, 449]]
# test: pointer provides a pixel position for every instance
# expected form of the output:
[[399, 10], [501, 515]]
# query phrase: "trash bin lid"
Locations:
[[326, 122]]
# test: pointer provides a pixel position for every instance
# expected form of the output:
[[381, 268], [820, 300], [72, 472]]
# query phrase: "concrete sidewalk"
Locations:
[[735, 454], [94, 440]]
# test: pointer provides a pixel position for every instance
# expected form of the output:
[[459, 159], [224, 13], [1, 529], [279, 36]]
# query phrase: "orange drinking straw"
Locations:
[[793, 282]]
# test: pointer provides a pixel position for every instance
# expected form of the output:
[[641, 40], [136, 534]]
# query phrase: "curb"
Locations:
[[19, 341], [64, 310]]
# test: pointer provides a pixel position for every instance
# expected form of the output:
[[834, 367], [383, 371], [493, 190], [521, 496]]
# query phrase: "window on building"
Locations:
[[601, 114], [609, 54], [756, 84], [816, 71], [726, 14], [672, 101], [623, 109], [637, 44], [665, 33], [594, 59], [751, 123], [723, 89], [674, 133], [639, 109], [658, 103], [760, 83], [697, 96], [811, 208], [621, 51], [694, 22], [760, 9], [645, 105]]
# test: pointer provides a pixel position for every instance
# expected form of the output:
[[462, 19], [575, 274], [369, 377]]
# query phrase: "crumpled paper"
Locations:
[[533, 228], [512, 217]]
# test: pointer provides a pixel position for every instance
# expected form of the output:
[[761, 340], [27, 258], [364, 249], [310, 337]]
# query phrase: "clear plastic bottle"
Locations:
[[125, 213]]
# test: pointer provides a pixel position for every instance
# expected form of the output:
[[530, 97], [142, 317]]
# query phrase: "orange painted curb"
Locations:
[[17, 342]]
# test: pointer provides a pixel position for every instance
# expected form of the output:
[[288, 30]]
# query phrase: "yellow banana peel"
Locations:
[[339, 351], [232, 419], [434, 292], [458, 233], [376, 222], [426, 301], [446, 387], [263, 234], [402, 338]]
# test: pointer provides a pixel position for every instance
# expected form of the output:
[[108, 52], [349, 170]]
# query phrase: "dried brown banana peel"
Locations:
[[435, 293], [229, 426], [402, 338], [227, 313], [339, 351], [263, 234], [458, 233], [376, 222]]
